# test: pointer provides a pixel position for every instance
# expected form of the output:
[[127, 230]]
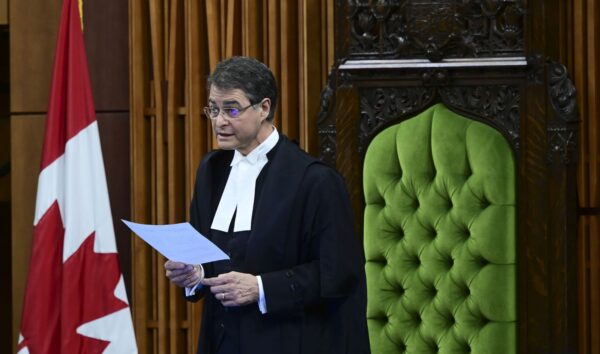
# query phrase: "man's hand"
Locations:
[[184, 275], [233, 288]]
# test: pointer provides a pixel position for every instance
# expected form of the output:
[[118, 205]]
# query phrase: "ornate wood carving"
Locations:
[[435, 29], [326, 129], [562, 133], [381, 105], [562, 92], [496, 104]]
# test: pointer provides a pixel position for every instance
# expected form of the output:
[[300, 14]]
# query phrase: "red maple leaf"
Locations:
[[89, 281]]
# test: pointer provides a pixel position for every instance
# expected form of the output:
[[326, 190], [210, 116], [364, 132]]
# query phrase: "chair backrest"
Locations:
[[440, 235], [401, 68]]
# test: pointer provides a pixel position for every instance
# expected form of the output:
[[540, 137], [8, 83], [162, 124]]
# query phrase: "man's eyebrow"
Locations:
[[230, 103]]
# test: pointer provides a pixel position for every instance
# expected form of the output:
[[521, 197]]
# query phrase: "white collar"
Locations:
[[261, 150], [240, 187]]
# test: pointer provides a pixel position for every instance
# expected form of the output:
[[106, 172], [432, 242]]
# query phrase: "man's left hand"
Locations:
[[233, 288]]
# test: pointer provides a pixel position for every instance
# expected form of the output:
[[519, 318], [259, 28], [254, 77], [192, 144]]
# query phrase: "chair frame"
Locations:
[[396, 58]]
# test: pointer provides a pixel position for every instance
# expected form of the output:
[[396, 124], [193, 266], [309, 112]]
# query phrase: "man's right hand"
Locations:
[[184, 275]]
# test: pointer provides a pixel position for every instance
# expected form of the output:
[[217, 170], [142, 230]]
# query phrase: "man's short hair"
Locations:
[[249, 75]]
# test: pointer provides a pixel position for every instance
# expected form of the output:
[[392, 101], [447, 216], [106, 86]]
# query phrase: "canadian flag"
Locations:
[[75, 300]]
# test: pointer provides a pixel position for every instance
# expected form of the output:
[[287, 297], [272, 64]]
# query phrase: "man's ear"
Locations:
[[265, 108]]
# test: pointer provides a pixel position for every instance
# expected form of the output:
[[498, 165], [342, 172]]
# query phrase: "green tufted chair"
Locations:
[[439, 236], [455, 128]]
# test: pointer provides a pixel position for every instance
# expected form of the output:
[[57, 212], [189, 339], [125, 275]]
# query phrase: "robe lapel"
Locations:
[[273, 208]]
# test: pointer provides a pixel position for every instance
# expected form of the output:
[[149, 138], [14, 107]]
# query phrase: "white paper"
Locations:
[[178, 242]]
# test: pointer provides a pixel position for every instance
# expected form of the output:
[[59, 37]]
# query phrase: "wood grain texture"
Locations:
[[107, 46], [27, 136], [174, 44], [114, 138], [3, 12], [580, 52], [32, 21]]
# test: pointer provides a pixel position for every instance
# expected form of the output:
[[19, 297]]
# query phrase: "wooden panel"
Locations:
[[114, 137], [4, 108], [32, 21], [26, 146], [290, 95], [6, 308], [107, 47], [310, 72], [6, 325], [169, 135], [141, 203], [582, 55], [3, 12]]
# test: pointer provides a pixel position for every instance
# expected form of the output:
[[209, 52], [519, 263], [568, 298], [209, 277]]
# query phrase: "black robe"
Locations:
[[304, 246]]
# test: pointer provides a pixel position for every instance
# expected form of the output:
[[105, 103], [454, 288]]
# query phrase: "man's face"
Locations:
[[237, 133]]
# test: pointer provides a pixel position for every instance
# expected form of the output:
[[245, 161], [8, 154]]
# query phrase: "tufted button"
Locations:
[[292, 287], [400, 290], [466, 291], [466, 232], [481, 261], [449, 261], [432, 346], [484, 203], [400, 232], [482, 321], [432, 232], [289, 273], [468, 171]]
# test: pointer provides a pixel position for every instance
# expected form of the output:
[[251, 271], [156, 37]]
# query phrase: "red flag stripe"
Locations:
[[71, 105]]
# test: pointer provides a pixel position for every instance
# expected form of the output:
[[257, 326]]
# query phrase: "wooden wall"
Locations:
[[30, 68], [170, 46], [5, 222], [33, 25], [580, 51], [3, 12], [174, 45]]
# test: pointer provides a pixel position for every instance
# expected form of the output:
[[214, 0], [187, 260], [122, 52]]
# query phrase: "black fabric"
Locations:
[[304, 246]]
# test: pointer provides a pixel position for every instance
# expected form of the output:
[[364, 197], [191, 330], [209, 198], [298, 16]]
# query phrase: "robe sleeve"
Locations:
[[334, 264], [196, 221]]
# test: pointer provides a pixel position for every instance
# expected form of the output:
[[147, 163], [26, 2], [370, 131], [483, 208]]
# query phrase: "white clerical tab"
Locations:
[[240, 189]]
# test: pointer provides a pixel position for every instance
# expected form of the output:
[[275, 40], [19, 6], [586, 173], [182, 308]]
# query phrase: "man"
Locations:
[[295, 280]]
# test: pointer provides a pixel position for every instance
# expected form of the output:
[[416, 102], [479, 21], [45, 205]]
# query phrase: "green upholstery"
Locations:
[[439, 237]]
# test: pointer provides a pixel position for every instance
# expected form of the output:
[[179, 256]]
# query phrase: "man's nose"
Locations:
[[220, 119]]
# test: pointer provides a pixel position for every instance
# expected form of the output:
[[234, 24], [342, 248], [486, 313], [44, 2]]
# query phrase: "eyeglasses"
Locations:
[[213, 112]]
